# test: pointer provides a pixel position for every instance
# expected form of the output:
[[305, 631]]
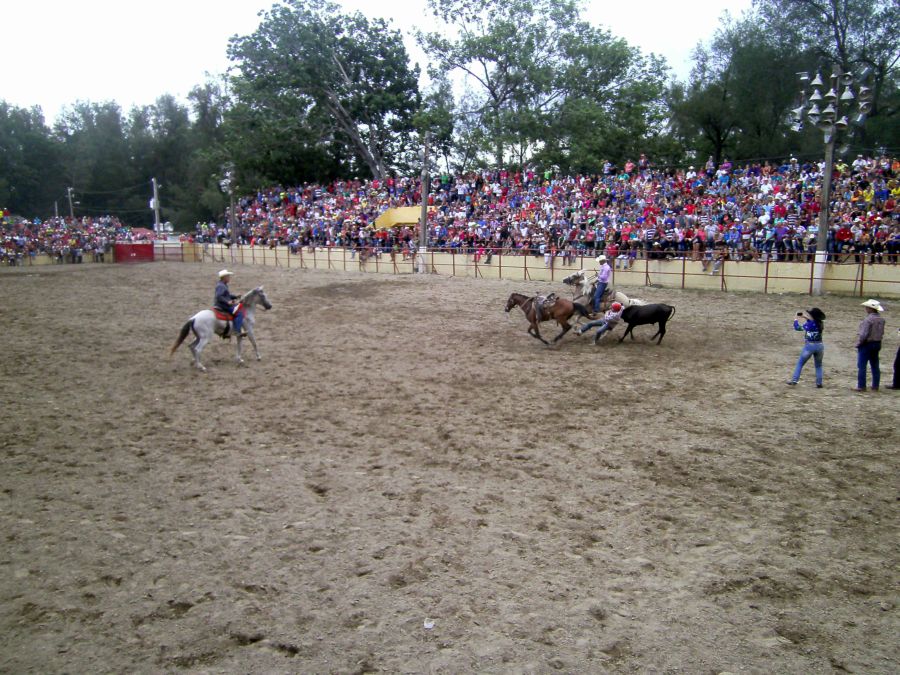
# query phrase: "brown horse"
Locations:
[[560, 311]]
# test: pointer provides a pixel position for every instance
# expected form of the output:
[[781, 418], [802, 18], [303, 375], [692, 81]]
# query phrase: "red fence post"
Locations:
[[862, 275], [812, 273]]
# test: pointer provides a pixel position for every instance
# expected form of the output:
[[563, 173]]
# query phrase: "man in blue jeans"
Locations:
[[868, 344], [225, 301], [603, 275]]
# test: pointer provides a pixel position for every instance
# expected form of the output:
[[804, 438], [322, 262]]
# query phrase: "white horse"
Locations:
[[586, 284], [204, 324]]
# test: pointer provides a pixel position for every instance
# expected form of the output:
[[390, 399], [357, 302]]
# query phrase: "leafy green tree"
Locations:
[[346, 75], [736, 102], [437, 117], [542, 84], [854, 34], [507, 52], [612, 104], [30, 169], [96, 158]]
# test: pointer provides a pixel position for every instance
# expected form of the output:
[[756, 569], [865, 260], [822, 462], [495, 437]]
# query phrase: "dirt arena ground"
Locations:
[[405, 453]]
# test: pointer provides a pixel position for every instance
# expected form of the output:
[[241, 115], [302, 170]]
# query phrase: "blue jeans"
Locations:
[[601, 289], [867, 353], [604, 326], [816, 350], [238, 319]]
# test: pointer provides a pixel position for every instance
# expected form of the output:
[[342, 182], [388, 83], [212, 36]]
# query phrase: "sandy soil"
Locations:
[[405, 451]]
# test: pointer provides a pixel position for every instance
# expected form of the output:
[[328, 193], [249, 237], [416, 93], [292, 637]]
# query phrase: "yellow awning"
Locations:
[[402, 215]]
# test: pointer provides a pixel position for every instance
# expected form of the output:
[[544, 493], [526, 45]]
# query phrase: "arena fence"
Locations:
[[863, 277]]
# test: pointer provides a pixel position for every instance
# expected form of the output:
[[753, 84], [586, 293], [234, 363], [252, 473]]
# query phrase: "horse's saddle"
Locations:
[[228, 318], [543, 304], [222, 315]]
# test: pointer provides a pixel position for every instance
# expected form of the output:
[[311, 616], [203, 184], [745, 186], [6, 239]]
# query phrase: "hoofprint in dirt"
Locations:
[[403, 452]]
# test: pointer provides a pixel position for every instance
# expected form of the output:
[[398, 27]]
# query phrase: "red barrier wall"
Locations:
[[134, 253]]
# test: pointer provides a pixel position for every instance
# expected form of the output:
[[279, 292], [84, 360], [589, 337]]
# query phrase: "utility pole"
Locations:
[[71, 208], [231, 214], [227, 185], [824, 218], [832, 123], [423, 217], [155, 207]]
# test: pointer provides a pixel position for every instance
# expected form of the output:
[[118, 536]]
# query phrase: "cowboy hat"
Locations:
[[816, 314], [225, 273], [601, 258], [873, 304]]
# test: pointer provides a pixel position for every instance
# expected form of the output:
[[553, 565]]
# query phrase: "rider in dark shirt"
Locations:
[[226, 300]]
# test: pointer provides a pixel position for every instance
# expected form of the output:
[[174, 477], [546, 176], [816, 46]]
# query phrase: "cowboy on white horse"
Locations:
[[225, 301]]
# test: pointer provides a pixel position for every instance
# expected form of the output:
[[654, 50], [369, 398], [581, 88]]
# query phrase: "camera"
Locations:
[[799, 313]]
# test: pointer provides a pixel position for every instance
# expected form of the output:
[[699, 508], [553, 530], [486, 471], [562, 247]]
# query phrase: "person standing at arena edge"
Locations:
[[814, 347], [225, 300], [868, 344], [603, 274]]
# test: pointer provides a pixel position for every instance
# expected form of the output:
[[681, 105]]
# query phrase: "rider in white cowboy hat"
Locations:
[[225, 300], [603, 274], [868, 344]]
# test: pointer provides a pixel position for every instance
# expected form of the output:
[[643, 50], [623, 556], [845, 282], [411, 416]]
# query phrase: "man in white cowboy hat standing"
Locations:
[[225, 301], [603, 274], [868, 344]]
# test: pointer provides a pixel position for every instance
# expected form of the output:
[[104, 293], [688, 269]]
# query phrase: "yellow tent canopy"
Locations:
[[402, 215]]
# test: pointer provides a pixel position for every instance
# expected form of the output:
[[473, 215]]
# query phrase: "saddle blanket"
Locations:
[[225, 316]]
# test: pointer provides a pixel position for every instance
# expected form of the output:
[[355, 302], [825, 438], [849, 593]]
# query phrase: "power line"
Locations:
[[110, 210], [110, 192]]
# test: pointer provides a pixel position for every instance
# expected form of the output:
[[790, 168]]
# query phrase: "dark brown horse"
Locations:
[[560, 311]]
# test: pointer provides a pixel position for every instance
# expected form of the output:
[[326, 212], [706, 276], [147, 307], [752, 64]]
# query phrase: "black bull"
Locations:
[[640, 315]]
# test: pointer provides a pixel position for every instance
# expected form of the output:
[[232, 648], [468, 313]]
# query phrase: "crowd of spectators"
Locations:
[[758, 211], [64, 240]]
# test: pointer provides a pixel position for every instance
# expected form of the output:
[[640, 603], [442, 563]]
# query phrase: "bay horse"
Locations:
[[560, 311], [204, 325]]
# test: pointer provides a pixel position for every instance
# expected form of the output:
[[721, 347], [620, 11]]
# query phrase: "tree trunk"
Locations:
[[369, 155]]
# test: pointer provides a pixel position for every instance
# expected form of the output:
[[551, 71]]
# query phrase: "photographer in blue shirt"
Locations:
[[813, 326]]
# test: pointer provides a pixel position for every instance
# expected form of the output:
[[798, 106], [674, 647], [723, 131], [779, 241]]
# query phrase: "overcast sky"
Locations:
[[56, 53]]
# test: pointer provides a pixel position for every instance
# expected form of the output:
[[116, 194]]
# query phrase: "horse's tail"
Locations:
[[185, 329], [581, 309], [672, 313]]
